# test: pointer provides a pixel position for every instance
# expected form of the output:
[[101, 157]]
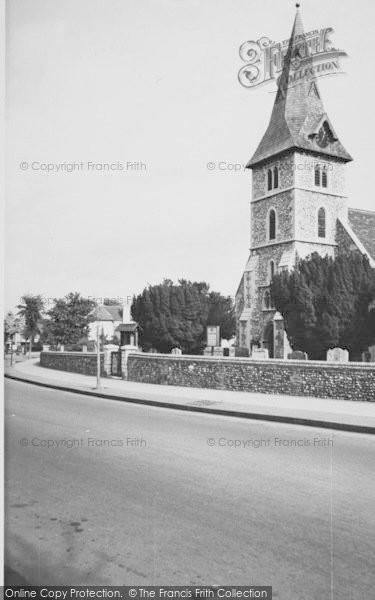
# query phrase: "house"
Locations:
[[116, 325]]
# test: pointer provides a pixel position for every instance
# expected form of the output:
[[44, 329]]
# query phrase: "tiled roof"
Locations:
[[115, 311], [363, 224], [101, 314], [297, 110]]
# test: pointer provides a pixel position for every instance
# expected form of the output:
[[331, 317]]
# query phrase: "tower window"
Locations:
[[272, 178], [276, 177], [317, 175], [324, 177], [271, 270], [269, 179], [272, 224], [267, 300], [321, 223]]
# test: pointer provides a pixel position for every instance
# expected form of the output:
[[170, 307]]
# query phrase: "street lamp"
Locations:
[[99, 314]]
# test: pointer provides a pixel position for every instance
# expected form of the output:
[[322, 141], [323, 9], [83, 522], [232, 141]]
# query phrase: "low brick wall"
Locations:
[[352, 381], [75, 362]]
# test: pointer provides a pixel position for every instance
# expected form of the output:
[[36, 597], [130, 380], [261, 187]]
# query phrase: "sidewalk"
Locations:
[[332, 414]]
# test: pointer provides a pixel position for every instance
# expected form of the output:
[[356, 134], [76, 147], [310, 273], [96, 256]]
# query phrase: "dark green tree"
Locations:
[[31, 310], [69, 319], [327, 302], [173, 315]]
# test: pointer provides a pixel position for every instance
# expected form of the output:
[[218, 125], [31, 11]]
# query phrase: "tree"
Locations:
[[12, 325], [221, 312], [31, 311], [69, 319], [326, 302], [173, 315]]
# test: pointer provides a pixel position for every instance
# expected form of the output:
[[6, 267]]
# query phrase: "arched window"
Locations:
[[317, 175], [267, 300], [321, 223], [271, 270], [272, 224], [324, 177], [269, 179], [275, 177]]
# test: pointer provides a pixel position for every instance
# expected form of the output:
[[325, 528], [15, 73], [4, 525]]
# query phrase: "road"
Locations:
[[153, 496]]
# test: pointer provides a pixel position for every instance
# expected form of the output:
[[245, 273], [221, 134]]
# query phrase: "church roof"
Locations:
[[298, 111], [362, 223]]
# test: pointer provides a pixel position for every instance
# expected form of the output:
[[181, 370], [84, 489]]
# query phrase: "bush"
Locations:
[[241, 351]]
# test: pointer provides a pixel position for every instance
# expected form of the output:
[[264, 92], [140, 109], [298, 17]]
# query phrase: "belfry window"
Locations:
[[317, 175], [275, 177], [321, 223], [272, 178], [324, 177], [272, 224], [269, 179]]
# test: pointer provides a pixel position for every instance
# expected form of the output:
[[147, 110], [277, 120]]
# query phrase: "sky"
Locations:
[[153, 83]]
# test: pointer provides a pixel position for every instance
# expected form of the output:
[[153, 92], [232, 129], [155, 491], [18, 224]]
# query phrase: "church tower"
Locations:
[[298, 195]]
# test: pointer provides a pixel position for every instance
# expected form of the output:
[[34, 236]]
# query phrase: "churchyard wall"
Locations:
[[75, 362], [350, 381]]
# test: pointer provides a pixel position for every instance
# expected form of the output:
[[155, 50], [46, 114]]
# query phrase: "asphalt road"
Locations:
[[156, 496]]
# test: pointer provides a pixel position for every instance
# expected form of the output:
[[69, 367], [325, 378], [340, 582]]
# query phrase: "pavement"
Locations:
[[332, 414], [101, 492]]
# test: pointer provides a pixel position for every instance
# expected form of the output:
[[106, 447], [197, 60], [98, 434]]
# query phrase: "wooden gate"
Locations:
[[116, 363]]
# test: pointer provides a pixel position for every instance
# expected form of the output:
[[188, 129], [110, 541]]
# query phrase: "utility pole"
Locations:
[[98, 383]]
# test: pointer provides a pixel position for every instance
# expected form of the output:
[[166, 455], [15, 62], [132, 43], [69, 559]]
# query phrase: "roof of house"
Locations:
[[100, 314], [362, 223], [103, 312], [115, 311], [298, 111]]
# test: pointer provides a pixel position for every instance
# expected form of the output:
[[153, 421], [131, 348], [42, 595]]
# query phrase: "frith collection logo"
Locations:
[[312, 52]]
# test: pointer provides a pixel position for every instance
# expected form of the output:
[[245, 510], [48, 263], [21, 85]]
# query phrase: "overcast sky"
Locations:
[[154, 82]]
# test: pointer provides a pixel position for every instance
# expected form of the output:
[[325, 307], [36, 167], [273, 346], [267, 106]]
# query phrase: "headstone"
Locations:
[[298, 355], [232, 351], [177, 351], [84, 348], [338, 355], [62, 348], [260, 353], [45, 347], [207, 351], [218, 351]]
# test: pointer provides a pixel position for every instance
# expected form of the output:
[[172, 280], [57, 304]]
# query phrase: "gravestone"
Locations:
[[232, 351], [177, 351], [298, 355], [207, 351], [260, 353], [218, 351], [338, 355], [84, 348]]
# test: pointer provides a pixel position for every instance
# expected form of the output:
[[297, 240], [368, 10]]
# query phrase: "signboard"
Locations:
[[213, 335]]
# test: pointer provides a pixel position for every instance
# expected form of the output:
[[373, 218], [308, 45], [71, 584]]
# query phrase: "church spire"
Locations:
[[298, 112]]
